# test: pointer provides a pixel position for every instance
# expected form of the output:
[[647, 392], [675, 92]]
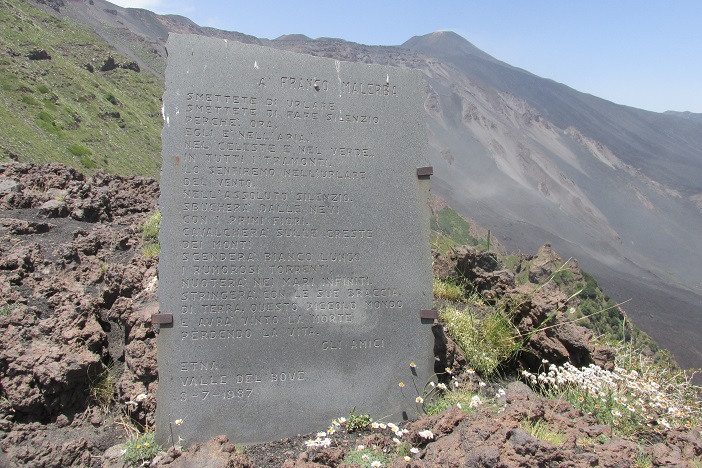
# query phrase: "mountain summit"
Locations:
[[444, 44]]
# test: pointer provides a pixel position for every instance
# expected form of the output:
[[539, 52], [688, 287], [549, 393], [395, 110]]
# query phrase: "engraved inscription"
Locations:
[[291, 251], [228, 216]]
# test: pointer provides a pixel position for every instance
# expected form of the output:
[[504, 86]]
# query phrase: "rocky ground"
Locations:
[[76, 297]]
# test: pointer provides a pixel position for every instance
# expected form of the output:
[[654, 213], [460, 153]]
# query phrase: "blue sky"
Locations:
[[645, 53]]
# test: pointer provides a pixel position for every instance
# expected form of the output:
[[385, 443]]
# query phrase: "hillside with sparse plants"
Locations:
[[66, 96]]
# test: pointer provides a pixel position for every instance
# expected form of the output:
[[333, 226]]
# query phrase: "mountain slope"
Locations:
[[664, 149], [501, 159], [60, 110], [617, 187]]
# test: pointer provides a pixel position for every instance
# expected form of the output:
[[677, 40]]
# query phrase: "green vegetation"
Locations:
[[87, 163], [102, 387], [452, 225], [367, 457], [151, 250], [109, 97], [149, 233], [141, 449], [486, 335], [449, 230], [53, 105], [643, 461], [590, 308], [447, 290], [78, 150], [6, 309], [611, 325], [30, 101], [461, 397], [637, 399], [645, 394], [151, 227], [593, 309], [542, 431], [357, 422], [485, 330]]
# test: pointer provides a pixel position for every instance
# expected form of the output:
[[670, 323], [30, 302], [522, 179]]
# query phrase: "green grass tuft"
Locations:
[[462, 397], [542, 431], [45, 117], [447, 290], [486, 335], [149, 233], [87, 163], [79, 150], [150, 229], [50, 106], [109, 97], [30, 100], [102, 387], [140, 449], [151, 250]]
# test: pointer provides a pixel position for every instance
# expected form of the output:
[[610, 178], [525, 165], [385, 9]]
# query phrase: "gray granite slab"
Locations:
[[294, 242]]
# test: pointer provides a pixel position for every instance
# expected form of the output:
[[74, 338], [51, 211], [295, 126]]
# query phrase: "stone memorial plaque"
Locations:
[[294, 238]]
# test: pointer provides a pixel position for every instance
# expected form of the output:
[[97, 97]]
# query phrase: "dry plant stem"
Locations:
[[573, 321], [543, 285], [129, 429], [550, 278]]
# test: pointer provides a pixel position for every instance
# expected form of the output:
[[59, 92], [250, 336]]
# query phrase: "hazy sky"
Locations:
[[644, 53]]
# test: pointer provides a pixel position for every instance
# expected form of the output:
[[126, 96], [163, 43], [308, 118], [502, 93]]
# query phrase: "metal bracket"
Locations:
[[425, 172], [162, 319], [429, 314]]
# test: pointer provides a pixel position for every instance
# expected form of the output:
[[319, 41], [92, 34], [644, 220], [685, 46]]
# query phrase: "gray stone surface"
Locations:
[[53, 209], [294, 242], [9, 185]]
